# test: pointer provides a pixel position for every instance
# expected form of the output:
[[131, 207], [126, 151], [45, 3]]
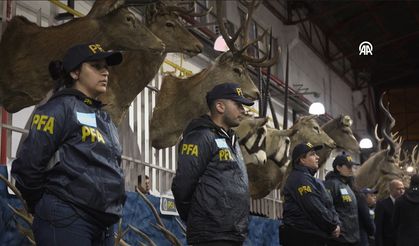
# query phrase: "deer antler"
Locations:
[[404, 158], [386, 130], [270, 62], [223, 30], [250, 6], [188, 12], [160, 226], [379, 140], [143, 235], [415, 160]]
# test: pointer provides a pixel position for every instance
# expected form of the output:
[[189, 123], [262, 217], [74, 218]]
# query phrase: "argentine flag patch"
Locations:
[[88, 119], [221, 143]]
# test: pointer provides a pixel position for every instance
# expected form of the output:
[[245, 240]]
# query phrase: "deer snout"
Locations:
[[331, 144], [193, 51], [199, 47], [252, 95], [158, 48]]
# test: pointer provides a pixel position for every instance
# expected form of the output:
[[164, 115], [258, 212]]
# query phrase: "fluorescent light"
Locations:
[[316, 108], [365, 143]]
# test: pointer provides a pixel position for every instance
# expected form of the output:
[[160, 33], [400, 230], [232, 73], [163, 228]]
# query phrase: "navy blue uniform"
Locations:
[[346, 206], [211, 184], [72, 152], [308, 208]]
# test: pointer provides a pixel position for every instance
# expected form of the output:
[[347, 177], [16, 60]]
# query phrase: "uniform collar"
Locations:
[[80, 95], [305, 169]]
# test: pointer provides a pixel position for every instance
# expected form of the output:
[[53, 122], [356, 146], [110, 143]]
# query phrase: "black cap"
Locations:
[[367, 190], [343, 159], [302, 149], [78, 54], [414, 180], [228, 91]]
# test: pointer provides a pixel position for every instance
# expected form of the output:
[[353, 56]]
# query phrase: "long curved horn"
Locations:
[[385, 130], [415, 160], [379, 140]]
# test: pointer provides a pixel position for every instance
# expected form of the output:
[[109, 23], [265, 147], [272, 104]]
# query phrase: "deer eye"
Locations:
[[170, 24], [238, 70], [317, 129], [129, 18]]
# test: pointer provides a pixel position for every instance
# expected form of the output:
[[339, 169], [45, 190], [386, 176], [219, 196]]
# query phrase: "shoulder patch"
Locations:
[[304, 189], [343, 191], [189, 149], [43, 123], [88, 119]]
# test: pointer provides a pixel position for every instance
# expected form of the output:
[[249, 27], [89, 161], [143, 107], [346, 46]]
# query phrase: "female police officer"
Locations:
[[309, 216], [339, 184], [68, 168]]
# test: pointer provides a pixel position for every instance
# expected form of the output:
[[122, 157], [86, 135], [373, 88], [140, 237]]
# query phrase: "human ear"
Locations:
[[75, 75], [219, 105]]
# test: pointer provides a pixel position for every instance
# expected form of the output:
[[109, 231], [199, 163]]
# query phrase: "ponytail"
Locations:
[[59, 75]]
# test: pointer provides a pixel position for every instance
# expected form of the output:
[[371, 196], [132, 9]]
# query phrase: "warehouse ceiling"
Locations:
[[392, 27]]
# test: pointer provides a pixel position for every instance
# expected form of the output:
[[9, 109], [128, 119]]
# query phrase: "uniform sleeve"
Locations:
[[310, 200], [379, 214], [37, 149], [194, 153]]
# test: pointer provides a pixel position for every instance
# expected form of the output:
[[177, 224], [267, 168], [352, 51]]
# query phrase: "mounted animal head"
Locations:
[[26, 49], [139, 67], [163, 20], [238, 55], [339, 129], [256, 138], [382, 167], [306, 129], [180, 100]]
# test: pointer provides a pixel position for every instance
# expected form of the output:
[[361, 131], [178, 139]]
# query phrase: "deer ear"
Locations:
[[103, 7]]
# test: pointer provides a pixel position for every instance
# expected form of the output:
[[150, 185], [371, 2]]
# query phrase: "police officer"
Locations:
[[68, 168], [339, 183], [309, 217], [211, 185]]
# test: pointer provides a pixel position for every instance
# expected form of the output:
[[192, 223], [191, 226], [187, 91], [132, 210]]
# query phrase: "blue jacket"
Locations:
[[346, 206], [308, 207], [73, 152], [211, 186]]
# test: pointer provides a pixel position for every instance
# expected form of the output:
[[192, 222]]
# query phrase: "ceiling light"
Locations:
[[409, 169], [365, 143], [316, 108]]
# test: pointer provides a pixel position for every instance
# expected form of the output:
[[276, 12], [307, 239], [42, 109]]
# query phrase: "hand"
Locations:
[[336, 232]]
